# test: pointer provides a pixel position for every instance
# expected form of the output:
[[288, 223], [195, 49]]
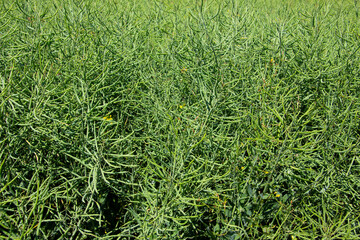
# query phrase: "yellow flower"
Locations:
[[266, 172], [242, 168], [276, 194], [183, 70], [108, 118], [181, 106]]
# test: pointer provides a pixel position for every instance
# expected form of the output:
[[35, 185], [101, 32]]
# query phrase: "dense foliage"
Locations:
[[184, 119]]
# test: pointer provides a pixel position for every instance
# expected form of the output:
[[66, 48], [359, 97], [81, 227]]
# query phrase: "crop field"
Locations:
[[189, 119]]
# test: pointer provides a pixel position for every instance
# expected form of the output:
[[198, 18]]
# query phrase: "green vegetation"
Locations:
[[183, 119]]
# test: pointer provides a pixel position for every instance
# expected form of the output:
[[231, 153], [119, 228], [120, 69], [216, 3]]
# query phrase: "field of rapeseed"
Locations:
[[191, 119]]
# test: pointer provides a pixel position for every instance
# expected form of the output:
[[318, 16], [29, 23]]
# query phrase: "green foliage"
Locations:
[[179, 119]]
